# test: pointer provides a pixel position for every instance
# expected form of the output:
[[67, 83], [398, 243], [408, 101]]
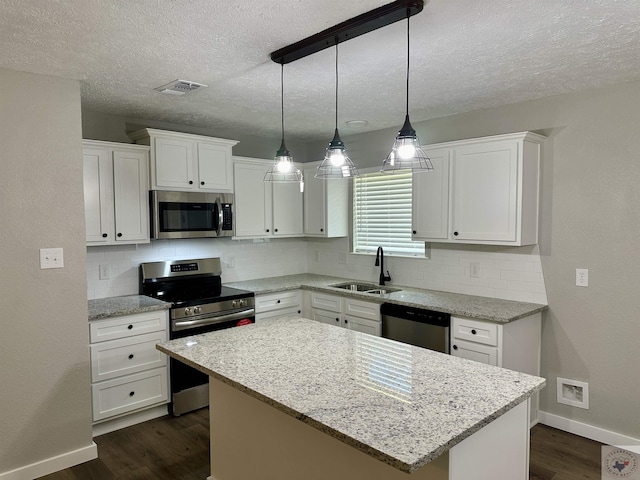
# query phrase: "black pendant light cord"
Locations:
[[408, 16], [282, 99], [336, 84]]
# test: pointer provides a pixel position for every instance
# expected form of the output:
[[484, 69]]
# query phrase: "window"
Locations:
[[382, 214]]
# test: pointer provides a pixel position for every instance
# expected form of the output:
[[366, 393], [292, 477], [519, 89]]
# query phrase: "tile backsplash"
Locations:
[[513, 273]]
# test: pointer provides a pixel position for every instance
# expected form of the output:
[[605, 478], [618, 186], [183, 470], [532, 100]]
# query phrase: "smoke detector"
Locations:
[[179, 87]]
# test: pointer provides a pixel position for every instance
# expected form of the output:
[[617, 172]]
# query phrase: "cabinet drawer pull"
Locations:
[[275, 229], [131, 394], [473, 331], [455, 347], [337, 320], [131, 356], [455, 233], [278, 301], [130, 327], [267, 230], [104, 235], [346, 321], [119, 234], [190, 182]]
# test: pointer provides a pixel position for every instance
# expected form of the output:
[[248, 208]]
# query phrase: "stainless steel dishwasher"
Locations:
[[416, 326]]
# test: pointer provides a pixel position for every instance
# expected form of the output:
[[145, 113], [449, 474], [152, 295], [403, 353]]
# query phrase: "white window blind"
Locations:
[[382, 214]]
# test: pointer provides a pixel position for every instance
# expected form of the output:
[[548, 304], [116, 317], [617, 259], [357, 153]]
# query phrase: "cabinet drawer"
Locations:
[[276, 301], [322, 301], [127, 325], [475, 352], [358, 308], [126, 355], [475, 331], [284, 312], [125, 394]]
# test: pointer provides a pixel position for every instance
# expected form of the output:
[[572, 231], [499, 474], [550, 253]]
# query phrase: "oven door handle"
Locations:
[[213, 320]]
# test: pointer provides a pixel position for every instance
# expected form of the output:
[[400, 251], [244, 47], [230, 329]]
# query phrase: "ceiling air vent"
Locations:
[[179, 87]]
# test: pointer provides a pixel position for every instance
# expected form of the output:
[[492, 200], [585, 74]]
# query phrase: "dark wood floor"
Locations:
[[171, 448]]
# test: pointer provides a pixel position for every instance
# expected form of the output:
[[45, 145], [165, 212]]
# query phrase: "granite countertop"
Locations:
[[482, 308], [126, 305], [330, 378]]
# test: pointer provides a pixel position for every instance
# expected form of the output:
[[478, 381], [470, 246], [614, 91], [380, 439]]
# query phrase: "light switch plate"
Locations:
[[51, 258]]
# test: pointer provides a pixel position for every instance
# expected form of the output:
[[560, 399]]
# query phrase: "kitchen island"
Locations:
[[294, 398]]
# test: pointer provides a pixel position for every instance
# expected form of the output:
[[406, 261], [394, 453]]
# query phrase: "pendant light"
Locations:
[[336, 162], [406, 152], [283, 169]]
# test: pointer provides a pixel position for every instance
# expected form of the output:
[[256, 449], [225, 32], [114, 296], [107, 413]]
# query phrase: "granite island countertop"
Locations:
[[125, 305], [332, 379], [481, 308]]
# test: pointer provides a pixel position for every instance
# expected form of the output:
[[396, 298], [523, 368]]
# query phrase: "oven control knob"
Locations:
[[234, 303], [188, 311], [197, 310], [241, 303]]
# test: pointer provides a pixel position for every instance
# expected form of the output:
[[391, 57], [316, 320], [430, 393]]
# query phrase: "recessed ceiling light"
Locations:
[[357, 123], [179, 87]]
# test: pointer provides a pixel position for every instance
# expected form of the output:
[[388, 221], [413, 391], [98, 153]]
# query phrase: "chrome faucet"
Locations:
[[380, 263]]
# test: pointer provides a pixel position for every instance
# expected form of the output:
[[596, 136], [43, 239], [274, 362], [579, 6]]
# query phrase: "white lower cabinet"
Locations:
[[278, 305], [128, 373], [346, 312], [514, 345]]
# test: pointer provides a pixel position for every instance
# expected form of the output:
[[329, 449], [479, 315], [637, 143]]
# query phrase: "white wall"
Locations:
[[45, 399], [252, 260]]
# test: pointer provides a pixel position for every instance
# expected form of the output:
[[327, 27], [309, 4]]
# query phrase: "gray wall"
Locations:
[[114, 128], [45, 400], [590, 219]]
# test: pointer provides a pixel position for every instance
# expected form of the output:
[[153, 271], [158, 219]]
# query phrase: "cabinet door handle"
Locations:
[[104, 235], [201, 183], [414, 232], [455, 347], [131, 356], [119, 234], [346, 321], [299, 312], [322, 229], [267, 230], [337, 320], [275, 229], [455, 234], [190, 182]]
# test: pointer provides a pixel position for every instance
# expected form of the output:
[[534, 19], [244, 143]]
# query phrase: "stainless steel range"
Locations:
[[200, 304]]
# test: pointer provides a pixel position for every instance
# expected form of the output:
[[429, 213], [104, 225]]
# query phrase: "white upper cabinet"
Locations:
[[325, 205], [265, 209], [482, 191], [116, 190], [186, 162]]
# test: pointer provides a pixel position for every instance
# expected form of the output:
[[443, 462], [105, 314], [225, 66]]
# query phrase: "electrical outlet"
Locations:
[[231, 261], [474, 269], [582, 277], [104, 271], [51, 258]]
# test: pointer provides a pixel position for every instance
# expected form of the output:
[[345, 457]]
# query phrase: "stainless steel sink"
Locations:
[[370, 288]]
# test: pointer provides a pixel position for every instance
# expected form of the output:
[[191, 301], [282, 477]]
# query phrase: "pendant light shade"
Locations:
[[336, 162], [283, 168], [406, 152]]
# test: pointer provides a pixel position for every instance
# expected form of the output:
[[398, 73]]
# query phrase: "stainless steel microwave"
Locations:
[[191, 214]]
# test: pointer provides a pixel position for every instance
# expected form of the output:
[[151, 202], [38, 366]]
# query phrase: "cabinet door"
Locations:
[[315, 204], [249, 200], [485, 191], [214, 167], [98, 204], [130, 192], [474, 351], [325, 316], [430, 215], [287, 209], [363, 325], [174, 163]]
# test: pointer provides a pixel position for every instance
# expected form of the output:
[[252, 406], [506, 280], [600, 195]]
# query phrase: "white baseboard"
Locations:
[[588, 431], [129, 419], [53, 464]]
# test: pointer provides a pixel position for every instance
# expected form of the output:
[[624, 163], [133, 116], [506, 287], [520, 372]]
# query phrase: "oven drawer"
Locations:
[[276, 301], [126, 355], [132, 392], [127, 325]]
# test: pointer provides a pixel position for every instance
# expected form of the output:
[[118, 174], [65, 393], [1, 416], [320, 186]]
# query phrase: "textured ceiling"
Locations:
[[465, 55]]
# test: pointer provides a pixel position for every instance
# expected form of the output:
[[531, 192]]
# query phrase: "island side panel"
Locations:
[[250, 439], [500, 450]]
